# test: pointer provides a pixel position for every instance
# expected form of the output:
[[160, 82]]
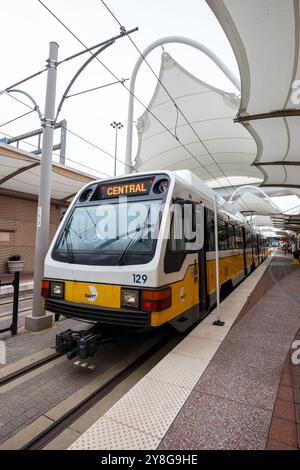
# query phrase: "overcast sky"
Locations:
[[27, 28]]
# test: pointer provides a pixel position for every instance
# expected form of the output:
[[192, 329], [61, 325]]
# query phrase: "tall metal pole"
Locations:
[[117, 126], [218, 322], [39, 320]]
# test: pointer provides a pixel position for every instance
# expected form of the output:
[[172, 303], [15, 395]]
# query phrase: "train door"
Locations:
[[197, 244], [257, 250], [200, 228], [208, 258], [244, 250], [183, 256], [208, 224]]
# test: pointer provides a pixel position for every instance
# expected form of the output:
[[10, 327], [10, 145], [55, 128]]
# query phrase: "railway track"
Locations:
[[25, 305], [10, 377], [143, 355], [9, 301], [58, 426]]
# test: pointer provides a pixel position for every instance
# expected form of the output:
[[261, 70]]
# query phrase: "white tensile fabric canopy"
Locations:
[[265, 38], [217, 150]]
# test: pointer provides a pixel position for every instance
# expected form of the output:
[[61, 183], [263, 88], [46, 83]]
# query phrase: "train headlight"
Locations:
[[57, 289], [130, 298]]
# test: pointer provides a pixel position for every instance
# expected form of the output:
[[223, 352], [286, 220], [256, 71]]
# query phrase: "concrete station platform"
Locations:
[[230, 387]]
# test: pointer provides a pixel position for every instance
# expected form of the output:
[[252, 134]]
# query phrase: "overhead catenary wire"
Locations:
[[67, 159], [16, 118], [76, 37], [73, 56], [94, 145], [16, 99], [178, 109], [76, 135], [114, 75], [134, 96]]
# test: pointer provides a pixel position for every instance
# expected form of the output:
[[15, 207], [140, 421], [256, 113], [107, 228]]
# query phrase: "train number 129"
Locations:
[[140, 278]]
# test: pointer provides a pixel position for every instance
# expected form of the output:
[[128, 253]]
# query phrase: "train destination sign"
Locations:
[[133, 188]]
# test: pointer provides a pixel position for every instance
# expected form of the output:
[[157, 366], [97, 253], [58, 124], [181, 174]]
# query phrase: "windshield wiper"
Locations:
[[134, 239], [69, 242]]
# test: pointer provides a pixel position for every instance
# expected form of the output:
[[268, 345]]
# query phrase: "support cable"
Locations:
[[67, 159], [135, 97], [97, 88], [173, 101]]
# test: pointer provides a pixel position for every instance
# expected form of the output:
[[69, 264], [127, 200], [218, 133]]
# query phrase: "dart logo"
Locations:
[[92, 296]]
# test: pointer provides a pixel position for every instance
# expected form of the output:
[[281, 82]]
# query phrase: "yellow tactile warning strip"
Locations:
[[142, 417]]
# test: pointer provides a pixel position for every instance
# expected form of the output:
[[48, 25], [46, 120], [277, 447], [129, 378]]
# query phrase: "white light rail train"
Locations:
[[136, 252]]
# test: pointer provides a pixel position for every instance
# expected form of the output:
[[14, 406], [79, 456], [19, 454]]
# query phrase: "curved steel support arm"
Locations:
[[86, 63], [257, 188], [36, 106], [151, 47]]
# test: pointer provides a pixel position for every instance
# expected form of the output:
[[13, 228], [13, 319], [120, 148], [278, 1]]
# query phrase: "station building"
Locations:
[[19, 185]]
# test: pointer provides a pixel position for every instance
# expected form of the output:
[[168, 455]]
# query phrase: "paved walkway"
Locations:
[[219, 388], [232, 405]]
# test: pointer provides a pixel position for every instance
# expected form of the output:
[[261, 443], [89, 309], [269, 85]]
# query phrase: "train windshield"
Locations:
[[110, 234]]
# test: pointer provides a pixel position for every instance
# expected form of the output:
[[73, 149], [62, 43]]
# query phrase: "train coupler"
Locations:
[[64, 342], [81, 343]]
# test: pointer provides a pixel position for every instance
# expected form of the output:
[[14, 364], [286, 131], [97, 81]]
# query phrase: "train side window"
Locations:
[[196, 241], [239, 238], [248, 240], [254, 243], [210, 229], [231, 237], [222, 235], [177, 240]]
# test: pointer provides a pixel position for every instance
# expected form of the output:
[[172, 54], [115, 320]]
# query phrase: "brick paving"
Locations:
[[249, 395], [26, 343], [25, 402], [283, 269], [285, 425], [29, 400]]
